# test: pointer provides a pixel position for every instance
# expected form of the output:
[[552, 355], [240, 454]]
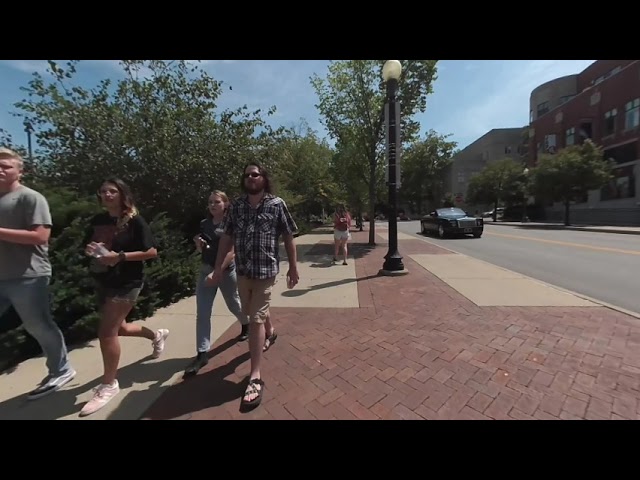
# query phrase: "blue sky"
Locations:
[[470, 96]]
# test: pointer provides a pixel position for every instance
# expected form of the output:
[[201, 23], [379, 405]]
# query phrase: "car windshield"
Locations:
[[448, 212]]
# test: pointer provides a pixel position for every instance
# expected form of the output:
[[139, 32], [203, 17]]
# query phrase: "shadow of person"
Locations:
[[328, 264], [65, 402], [207, 389]]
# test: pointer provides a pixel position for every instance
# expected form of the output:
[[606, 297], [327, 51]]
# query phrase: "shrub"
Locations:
[[170, 277]]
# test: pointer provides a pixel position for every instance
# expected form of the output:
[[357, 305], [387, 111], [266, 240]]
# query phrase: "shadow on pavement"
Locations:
[[65, 402], [210, 388], [301, 291]]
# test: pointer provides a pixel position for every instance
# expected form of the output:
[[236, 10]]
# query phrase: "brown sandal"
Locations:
[[270, 340]]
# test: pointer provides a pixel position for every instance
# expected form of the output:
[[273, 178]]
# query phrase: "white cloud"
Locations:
[[28, 66]]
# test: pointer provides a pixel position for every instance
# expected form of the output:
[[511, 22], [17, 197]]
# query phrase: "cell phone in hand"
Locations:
[[206, 240], [99, 251]]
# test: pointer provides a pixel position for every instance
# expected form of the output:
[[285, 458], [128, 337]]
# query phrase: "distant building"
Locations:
[[601, 103], [496, 144]]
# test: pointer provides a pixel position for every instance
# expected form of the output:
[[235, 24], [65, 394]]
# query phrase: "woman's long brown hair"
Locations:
[[127, 202]]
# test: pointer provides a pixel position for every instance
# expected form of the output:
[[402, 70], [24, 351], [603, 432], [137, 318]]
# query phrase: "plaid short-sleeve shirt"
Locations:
[[256, 232]]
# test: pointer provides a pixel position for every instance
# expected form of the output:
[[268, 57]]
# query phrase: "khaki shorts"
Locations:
[[255, 297]]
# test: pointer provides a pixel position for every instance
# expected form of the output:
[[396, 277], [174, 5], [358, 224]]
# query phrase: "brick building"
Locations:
[[494, 145], [601, 103]]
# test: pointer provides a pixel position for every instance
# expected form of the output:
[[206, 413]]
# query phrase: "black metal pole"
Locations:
[[28, 128], [393, 259], [29, 145]]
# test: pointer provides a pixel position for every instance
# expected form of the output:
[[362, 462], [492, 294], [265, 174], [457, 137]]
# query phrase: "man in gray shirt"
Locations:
[[25, 270]]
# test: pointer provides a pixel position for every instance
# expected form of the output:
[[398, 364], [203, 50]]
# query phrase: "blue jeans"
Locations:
[[205, 296], [30, 299]]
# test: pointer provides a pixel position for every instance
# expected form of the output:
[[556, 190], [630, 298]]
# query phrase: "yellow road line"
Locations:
[[566, 244]]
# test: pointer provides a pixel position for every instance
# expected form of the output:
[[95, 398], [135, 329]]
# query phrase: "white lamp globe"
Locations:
[[391, 70]]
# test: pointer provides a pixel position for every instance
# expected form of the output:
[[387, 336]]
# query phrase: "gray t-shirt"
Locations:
[[21, 210]]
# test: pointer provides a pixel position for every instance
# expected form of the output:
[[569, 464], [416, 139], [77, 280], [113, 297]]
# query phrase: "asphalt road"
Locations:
[[604, 266]]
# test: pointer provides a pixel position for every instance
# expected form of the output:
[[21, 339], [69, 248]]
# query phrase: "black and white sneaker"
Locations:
[[51, 384]]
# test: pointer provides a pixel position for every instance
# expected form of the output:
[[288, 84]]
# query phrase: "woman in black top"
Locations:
[[207, 243], [119, 241]]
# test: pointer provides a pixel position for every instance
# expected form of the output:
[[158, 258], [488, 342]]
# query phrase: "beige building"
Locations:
[[492, 146]]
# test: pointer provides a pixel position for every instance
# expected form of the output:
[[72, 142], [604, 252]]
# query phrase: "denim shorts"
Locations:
[[119, 294]]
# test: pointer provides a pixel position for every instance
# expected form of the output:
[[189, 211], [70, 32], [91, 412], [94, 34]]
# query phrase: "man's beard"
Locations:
[[253, 190]]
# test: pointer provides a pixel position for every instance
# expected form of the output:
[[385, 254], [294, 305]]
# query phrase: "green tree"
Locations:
[[304, 171], [351, 104], [423, 167], [498, 182], [162, 132], [568, 175]]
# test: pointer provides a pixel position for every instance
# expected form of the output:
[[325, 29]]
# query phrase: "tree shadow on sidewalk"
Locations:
[[208, 389]]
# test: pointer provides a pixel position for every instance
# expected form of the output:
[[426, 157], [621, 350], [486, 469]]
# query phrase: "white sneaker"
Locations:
[[158, 343], [103, 394], [52, 384]]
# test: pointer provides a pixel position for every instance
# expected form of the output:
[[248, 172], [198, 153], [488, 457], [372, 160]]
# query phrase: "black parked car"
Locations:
[[451, 221]]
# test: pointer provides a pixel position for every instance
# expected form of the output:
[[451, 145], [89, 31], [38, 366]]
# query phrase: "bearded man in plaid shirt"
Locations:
[[252, 226]]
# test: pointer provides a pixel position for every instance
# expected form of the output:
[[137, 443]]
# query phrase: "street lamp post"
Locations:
[[28, 128], [391, 72]]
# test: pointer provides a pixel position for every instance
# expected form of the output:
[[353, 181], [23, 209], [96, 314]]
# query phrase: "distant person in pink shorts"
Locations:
[[341, 232]]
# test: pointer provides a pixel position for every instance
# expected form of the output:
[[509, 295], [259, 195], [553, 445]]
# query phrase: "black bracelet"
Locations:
[[122, 257]]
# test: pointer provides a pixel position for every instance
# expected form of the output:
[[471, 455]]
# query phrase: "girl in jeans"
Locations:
[[119, 241], [207, 244]]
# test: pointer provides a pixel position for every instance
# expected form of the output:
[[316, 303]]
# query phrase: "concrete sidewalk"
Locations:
[[143, 379], [453, 339]]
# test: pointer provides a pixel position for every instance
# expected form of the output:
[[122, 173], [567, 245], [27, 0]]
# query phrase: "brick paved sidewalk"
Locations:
[[417, 349]]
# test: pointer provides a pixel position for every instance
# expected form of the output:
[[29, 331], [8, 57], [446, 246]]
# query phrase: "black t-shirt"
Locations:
[[134, 237], [211, 232]]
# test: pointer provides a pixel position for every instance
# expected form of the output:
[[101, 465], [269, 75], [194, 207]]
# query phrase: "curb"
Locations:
[[564, 290], [553, 226]]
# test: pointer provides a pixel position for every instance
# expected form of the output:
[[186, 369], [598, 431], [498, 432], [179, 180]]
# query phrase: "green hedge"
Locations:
[[170, 277]]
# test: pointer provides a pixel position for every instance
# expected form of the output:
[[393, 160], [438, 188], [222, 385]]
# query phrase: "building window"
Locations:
[[610, 122], [570, 136], [507, 150], [550, 143], [632, 114], [543, 108]]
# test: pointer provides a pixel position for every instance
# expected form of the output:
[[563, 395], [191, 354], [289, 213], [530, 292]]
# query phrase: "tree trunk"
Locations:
[[567, 207], [372, 204], [495, 210]]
